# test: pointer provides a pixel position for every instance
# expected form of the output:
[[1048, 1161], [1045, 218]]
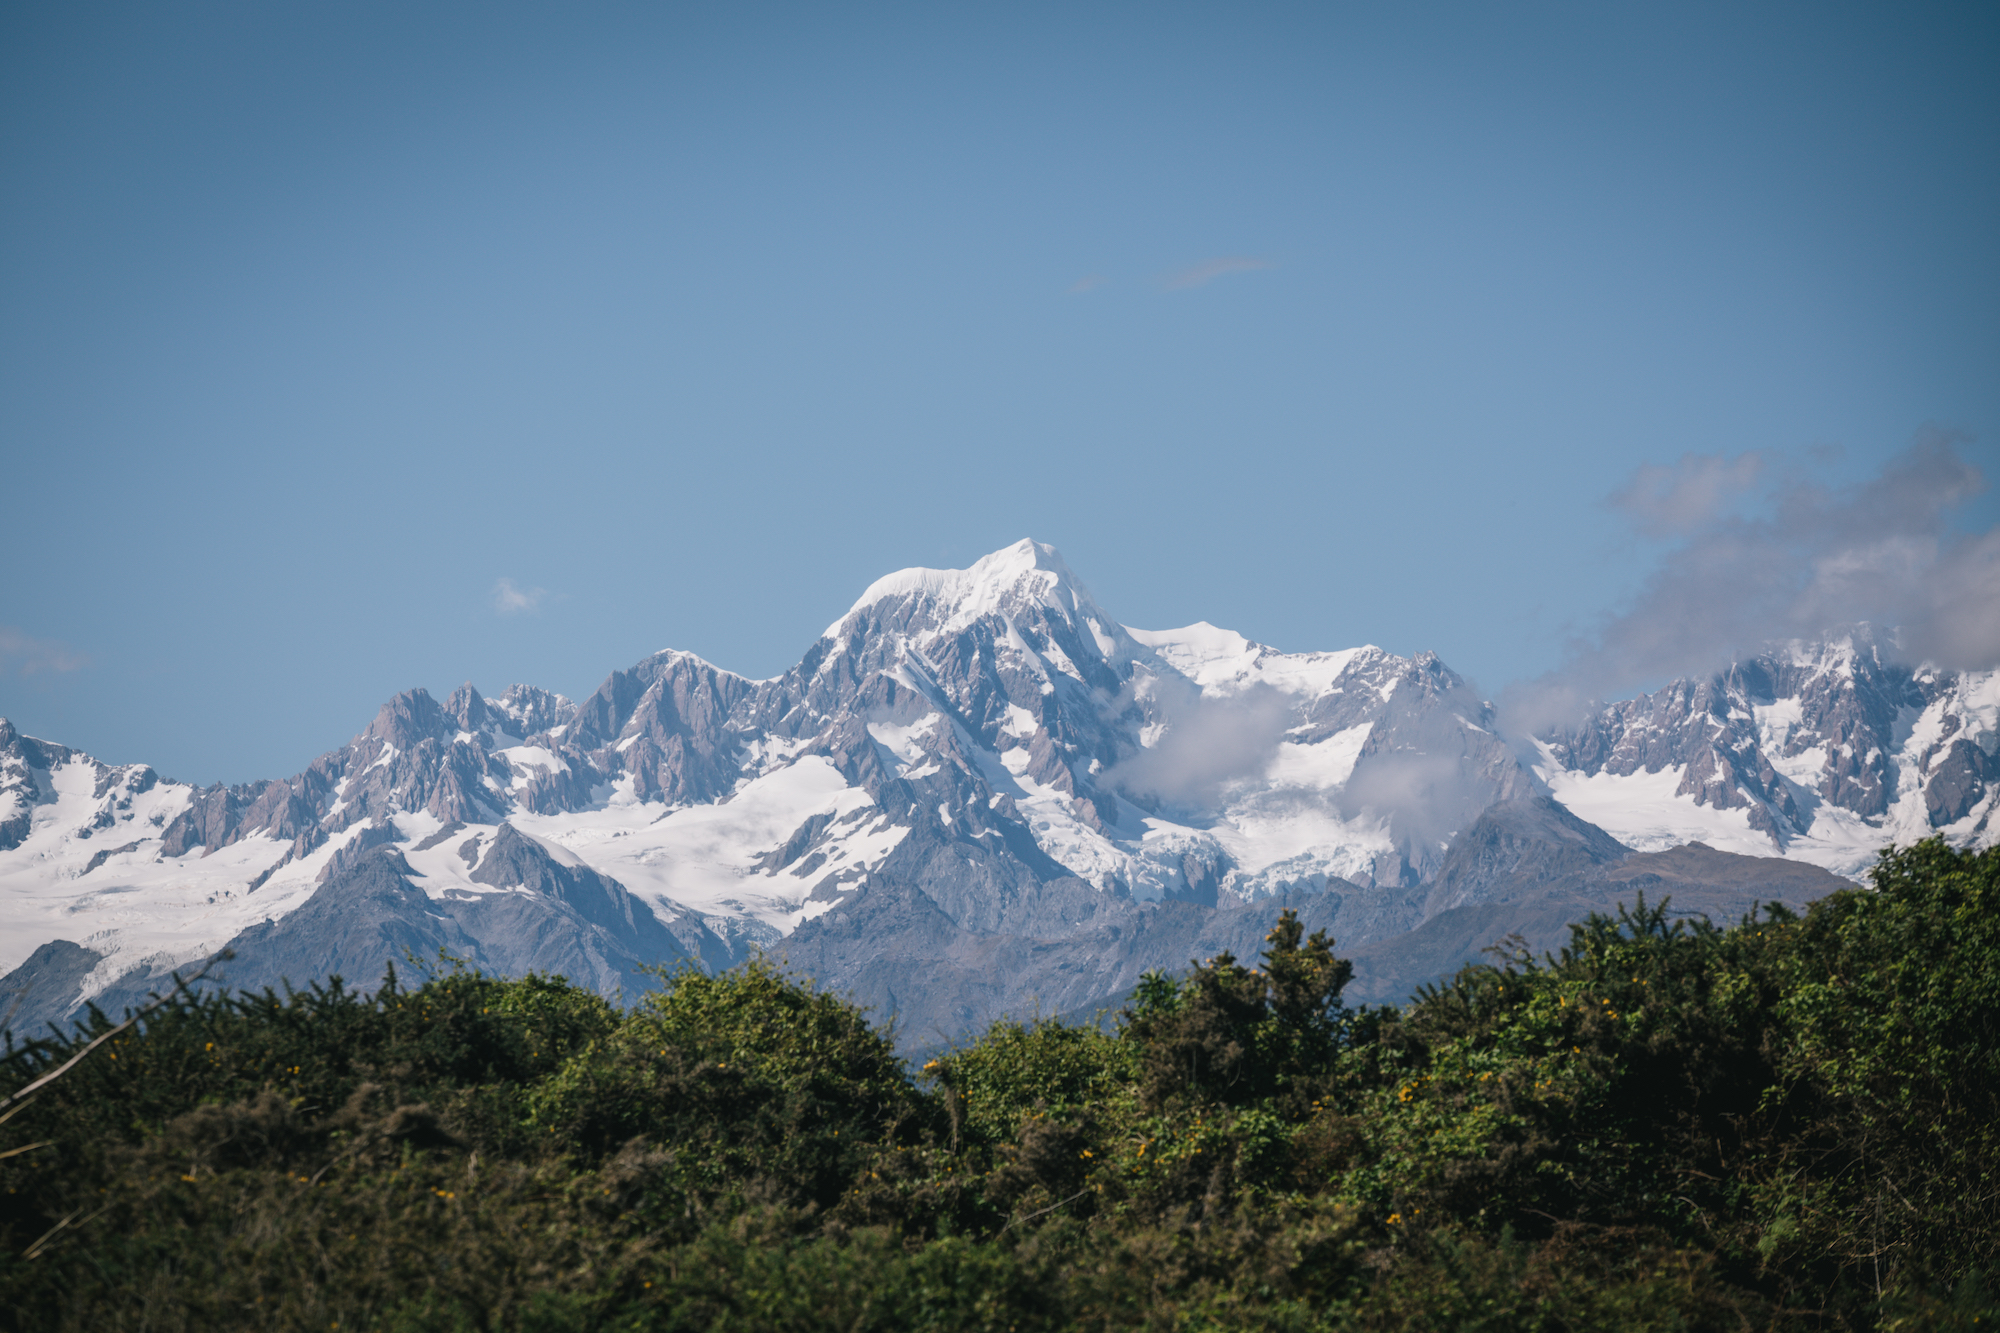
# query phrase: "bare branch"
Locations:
[[180, 987]]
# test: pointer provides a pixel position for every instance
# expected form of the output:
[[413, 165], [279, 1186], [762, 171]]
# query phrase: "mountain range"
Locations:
[[978, 794]]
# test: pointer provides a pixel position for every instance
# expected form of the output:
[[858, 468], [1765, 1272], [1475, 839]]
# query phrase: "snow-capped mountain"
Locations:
[[965, 757], [1824, 752]]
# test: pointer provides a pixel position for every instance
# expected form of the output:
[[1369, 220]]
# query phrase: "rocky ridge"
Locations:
[[1821, 751]]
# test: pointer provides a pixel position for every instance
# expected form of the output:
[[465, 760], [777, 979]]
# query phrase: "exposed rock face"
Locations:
[[44, 989], [666, 722], [412, 757], [1957, 783], [19, 793], [1515, 847]]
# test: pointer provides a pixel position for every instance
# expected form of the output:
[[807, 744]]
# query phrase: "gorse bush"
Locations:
[[1791, 1123], [1239, 1035]]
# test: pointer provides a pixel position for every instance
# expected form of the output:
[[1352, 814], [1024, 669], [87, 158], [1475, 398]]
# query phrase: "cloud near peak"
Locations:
[[1803, 561]]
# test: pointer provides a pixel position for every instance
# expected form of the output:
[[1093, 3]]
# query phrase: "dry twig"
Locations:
[[158, 1000]]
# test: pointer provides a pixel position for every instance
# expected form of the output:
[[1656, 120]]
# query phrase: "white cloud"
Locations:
[[509, 599], [1207, 744]]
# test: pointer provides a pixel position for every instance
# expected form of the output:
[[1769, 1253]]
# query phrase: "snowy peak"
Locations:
[[665, 724], [54, 797], [1012, 647], [468, 707], [1854, 649], [1030, 567], [1027, 580], [1222, 662], [1202, 652], [1820, 750], [510, 718]]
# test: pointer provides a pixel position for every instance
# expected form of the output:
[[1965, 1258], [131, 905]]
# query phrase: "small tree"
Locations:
[[1234, 1034]]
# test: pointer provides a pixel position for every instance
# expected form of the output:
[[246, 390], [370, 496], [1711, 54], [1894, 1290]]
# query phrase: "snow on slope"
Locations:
[[1223, 663], [1647, 811], [705, 857], [112, 890], [1028, 574], [90, 869]]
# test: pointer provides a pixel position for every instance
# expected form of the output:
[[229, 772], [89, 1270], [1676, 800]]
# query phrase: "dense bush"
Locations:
[[1793, 1123]]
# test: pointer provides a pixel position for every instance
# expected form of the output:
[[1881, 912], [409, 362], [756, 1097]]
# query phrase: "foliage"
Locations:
[[1240, 1035], [1792, 1123]]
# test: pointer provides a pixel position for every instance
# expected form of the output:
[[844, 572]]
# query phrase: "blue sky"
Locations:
[[1329, 324]]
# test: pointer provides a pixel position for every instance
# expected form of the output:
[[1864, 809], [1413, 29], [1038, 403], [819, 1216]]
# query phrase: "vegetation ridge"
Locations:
[[1790, 1123]]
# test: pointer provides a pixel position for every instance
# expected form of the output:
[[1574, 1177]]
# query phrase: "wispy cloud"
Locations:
[[1208, 270], [1208, 743], [1087, 284], [1675, 501], [1804, 561], [22, 655], [510, 599]]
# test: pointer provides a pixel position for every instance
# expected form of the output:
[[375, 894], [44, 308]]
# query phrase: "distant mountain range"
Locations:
[[977, 794]]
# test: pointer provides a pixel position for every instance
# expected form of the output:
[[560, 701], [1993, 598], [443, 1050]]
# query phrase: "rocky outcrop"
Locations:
[[373, 914], [42, 991], [412, 757], [1516, 847], [1957, 783]]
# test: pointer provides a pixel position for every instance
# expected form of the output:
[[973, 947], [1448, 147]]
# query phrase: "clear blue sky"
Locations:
[[1329, 324]]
